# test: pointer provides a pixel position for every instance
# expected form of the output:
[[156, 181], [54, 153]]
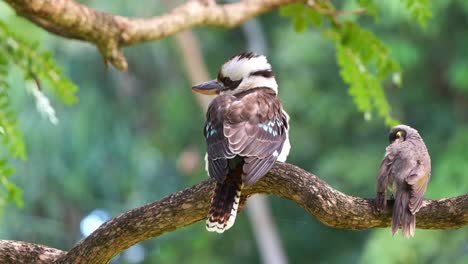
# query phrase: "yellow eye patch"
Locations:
[[399, 134]]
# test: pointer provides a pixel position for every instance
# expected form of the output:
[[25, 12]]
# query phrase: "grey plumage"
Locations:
[[405, 170]]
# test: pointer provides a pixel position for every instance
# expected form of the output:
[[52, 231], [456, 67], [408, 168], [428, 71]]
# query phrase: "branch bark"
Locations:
[[183, 208], [109, 32], [23, 252]]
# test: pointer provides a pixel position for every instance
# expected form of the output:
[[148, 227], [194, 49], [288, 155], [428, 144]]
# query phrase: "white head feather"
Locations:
[[241, 66]]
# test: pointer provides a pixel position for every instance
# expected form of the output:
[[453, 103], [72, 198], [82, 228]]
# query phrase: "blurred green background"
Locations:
[[126, 141]]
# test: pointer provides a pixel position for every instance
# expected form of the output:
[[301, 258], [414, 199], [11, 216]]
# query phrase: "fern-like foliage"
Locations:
[[364, 60], [301, 16], [36, 67], [365, 63], [419, 9]]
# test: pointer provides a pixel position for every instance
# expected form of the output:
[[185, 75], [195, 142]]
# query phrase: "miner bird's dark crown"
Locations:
[[249, 67], [402, 131], [396, 133]]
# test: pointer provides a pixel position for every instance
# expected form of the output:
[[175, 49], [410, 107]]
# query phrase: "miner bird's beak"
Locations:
[[212, 87]]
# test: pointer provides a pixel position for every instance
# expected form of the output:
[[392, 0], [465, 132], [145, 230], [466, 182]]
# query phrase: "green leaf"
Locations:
[[35, 66], [292, 10], [301, 15], [34, 63], [313, 17], [10, 192], [371, 8], [420, 10], [9, 133], [299, 24], [365, 63], [13, 194]]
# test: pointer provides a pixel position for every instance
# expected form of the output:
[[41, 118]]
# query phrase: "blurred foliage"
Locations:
[[363, 58], [120, 146], [358, 51], [35, 67], [425, 247], [419, 9]]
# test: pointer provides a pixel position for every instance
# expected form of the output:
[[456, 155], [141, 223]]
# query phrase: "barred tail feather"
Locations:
[[402, 215], [224, 204], [408, 223]]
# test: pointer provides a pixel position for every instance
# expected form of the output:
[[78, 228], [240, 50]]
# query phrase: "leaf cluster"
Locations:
[[365, 61], [36, 67]]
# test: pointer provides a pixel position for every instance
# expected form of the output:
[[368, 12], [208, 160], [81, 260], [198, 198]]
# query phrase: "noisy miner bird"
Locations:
[[405, 170], [246, 131]]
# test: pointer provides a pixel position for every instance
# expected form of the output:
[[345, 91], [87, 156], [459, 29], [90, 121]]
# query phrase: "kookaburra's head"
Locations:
[[242, 72]]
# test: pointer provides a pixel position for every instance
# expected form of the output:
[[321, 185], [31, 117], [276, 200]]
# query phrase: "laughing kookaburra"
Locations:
[[246, 131]]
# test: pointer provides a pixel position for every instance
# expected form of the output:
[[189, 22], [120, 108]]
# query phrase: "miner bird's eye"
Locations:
[[399, 134]]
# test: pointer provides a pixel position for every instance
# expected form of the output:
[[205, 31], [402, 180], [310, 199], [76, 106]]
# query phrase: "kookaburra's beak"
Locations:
[[209, 88]]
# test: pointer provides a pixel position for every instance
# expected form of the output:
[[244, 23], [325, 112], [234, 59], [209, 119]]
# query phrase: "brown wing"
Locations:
[[418, 183], [253, 126], [217, 149], [382, 181], [412, 175]]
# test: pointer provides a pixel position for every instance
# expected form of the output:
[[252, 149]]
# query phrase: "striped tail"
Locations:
[[402, 215], [226, 197]]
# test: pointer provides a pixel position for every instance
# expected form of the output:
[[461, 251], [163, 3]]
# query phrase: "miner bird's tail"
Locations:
[[402, 214], [225, 201]]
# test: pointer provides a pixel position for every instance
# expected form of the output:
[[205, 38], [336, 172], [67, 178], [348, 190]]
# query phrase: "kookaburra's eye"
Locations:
[[227, 81]]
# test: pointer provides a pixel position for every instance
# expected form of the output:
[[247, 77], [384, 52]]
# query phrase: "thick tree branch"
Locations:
[[23, 252], [109, 32], [329, 206]]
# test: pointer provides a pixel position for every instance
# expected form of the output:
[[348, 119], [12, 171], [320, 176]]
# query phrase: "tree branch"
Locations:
[[23, 252], [109, 32], [183, 208]]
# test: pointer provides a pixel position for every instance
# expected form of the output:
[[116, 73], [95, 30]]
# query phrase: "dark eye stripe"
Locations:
[[227, 82], [264, 73], [230, 84]]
